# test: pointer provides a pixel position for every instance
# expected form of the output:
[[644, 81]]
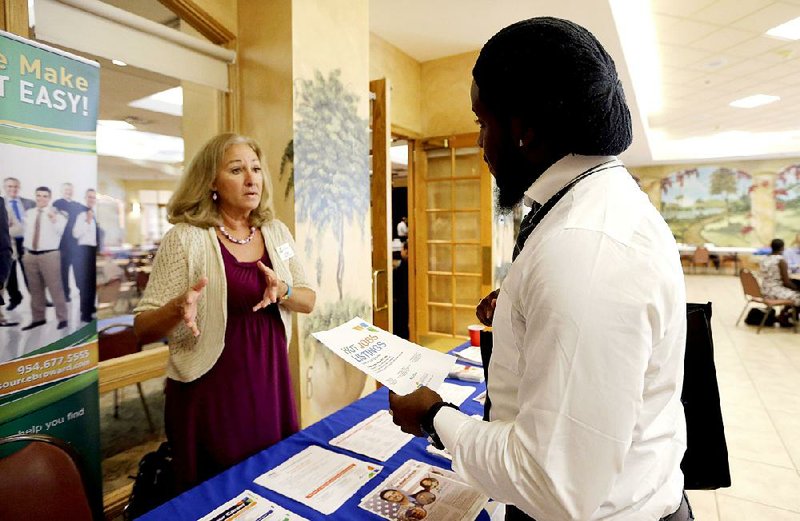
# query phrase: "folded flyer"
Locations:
[[398, 364], [421, 491], [319, 478], [249, 506]]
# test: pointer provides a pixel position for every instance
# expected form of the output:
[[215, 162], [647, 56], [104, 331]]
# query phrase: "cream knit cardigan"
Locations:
[[187, 253]]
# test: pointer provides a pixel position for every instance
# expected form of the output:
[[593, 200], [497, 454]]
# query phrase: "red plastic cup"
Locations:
[[475, 334]]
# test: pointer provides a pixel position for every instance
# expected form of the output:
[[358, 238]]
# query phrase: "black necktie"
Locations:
[[525, 229]]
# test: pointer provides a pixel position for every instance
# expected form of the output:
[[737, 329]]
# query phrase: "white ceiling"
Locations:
[[711, 52]]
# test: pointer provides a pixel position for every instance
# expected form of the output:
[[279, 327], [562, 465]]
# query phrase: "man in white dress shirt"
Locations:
[[44, 226], [589, 325], [85, 265]]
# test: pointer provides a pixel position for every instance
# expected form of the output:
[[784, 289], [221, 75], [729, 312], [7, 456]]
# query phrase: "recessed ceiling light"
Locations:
[[119, 62], [115, 124], [169, 101], [786, 31], [716, 63], [754, 101]]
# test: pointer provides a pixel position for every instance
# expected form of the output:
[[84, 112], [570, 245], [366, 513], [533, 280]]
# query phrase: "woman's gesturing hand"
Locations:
[[188, 305], [271, 291]]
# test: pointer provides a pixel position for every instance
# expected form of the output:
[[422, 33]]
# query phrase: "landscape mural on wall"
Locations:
[[723, 206], [708, 205], [327, 165], [787, 203]]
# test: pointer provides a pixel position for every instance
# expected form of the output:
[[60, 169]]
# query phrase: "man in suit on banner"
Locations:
[[16, 207], [69, 245], [6, 255]]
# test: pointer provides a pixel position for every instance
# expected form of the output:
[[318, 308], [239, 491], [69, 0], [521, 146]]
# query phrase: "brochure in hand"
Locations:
[[421, 491], [393, 361]]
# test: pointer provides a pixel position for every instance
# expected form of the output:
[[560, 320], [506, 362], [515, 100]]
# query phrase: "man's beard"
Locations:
[[512, 177]]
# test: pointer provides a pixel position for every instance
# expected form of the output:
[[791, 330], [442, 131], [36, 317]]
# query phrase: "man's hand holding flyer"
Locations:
[[398, 364]]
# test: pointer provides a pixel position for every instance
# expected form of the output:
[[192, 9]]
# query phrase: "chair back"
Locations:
[[142, 278], [117, 340], [701, 255], [750, 284], [108, 293], [44, 481]]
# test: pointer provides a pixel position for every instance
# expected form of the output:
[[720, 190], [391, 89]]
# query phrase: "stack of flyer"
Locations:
[[420, 491]]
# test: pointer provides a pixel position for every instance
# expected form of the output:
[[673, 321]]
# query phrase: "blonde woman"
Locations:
[[224, 283]]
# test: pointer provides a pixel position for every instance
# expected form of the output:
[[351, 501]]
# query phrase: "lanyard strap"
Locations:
[[537, 218]]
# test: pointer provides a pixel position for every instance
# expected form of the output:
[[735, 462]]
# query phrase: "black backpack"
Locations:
[[756, 315], [155, 483]]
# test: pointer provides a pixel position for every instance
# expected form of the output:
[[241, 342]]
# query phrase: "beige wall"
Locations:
[[224, 11], [404, 74], [446, 108], [265, 80]]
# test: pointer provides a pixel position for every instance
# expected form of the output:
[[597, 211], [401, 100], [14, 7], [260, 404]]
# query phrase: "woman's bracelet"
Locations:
[[287, 295]]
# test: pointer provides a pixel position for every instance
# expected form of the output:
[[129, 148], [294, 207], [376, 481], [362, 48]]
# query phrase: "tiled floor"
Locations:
[[759, 378]]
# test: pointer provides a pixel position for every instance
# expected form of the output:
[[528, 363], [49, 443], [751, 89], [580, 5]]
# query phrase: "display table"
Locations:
[[723, 251], [207, 496]]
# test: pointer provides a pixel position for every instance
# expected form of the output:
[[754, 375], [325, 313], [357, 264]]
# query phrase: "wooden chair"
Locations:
[[119, 340], [108, 295], [752, 292], [44, 480], [701, 257]]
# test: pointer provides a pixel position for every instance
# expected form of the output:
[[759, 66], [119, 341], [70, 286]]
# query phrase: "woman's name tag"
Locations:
[[285, 251]]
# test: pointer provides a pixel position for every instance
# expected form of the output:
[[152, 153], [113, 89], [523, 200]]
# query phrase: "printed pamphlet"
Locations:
[[421, 491]]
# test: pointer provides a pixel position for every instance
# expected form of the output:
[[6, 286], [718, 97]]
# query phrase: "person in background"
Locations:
[[225, 281], [402, 229], [589, 328], [86, 233], [16, 207], [44, 227], [792, 256], [6, 257], [69, 245], [775, 280], [400, 290]]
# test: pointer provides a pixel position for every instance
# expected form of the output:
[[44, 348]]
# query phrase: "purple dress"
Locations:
[[245, 402]]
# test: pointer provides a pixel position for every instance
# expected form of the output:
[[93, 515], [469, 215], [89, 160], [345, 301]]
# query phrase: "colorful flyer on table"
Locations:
[[398, 364], [420, 491], [249, 506], [318, 478], [377, 437]]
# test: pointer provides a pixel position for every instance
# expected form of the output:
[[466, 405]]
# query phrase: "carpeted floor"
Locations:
[[124, 440]]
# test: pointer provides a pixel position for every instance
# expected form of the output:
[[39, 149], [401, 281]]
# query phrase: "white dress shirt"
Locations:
[[402, 229], [85, 232], [587, 367], [50, 231]]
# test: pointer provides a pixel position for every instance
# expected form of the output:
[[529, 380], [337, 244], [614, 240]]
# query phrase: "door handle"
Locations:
[[375, 308]]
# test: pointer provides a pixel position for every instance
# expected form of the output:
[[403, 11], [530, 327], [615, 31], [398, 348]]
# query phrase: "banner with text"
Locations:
[[48, 163]]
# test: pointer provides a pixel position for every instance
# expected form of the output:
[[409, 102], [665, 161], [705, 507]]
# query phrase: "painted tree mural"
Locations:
[[332, 157], [723, 182]]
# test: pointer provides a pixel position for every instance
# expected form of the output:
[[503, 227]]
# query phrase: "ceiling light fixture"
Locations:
[[169, 101], [786, 31], [754, 101], [634, 20]]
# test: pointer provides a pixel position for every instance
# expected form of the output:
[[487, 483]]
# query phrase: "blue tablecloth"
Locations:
[[204, 498]]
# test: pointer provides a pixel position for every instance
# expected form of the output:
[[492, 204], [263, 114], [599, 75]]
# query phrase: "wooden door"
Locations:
[[381, 201], [453, 220]]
